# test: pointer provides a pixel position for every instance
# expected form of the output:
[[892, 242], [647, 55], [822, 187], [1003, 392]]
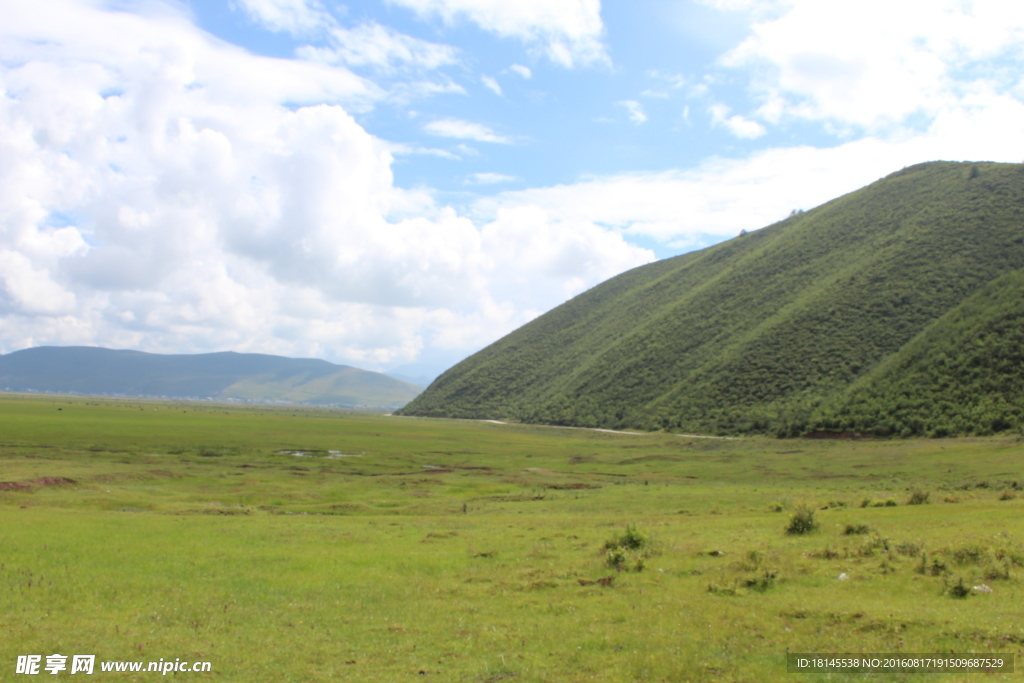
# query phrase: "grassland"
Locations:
[[308, 545]]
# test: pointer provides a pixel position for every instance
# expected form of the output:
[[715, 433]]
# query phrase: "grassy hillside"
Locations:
[[242, 376], [754, 334], [964, 374]]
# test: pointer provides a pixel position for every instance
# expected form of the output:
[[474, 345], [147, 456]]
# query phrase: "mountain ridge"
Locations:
[[224, 375], [754, 334]]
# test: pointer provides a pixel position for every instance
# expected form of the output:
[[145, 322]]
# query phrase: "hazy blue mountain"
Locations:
[[220, 376]]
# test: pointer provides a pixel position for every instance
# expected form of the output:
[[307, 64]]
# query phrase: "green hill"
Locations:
[[757, 333], [221, 376], [963, 374]]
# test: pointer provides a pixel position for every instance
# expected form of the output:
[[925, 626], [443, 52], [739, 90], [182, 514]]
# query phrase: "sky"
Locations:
[[398, 183]]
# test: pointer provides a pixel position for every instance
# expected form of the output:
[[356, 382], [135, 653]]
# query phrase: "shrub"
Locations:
[[936, 568], [957, 588], [1006, 495], [632, 539], [918, 497], [908, 549], [761, 583], [631, 547], [802, 521], [856, 529], [872, 544], [616, 558], [827, 554], [996, 571]]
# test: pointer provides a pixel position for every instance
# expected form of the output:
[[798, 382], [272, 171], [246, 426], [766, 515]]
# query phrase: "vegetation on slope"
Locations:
[[963, 375], [228, 375], [754, 334]]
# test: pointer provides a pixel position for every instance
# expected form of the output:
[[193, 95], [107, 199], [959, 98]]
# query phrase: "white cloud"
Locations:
[[568, 32], [739, 126], [162, 190], [523, 71], [491, 85], [550, 250], [666, 84], [464, 130], [635, 110], [381, 47], [297, 17], [489, 178], [690, 209], [400, 149], [873, 65]]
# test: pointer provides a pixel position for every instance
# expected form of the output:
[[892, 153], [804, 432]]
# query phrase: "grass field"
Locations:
[[285, 544]]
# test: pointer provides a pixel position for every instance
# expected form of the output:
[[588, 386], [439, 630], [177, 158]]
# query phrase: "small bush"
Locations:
[[935, 568], [632, 539], [908, 549], [957, 588], [997, 571], [866, 503], [1006, 495], [628, 551], [616, 559], [802, 521], [761, 583], [856, 529], [918, 497], [827, 554], [872, 544]]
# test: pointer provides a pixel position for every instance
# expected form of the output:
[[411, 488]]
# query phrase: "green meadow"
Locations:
[[299, 544]]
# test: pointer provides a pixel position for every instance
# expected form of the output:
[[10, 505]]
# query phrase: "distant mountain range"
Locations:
[[219, 376], [897, 309]]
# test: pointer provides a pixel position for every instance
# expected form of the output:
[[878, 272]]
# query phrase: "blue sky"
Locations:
[[398, 183]]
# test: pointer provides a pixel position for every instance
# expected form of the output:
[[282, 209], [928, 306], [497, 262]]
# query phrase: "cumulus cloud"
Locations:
[[568, 32], [162, 190], [464, 130], [695, 208], [876, 64]]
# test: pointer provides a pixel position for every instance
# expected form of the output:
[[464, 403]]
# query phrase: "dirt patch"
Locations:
[[52, 481], [41, 481], [606, 581]]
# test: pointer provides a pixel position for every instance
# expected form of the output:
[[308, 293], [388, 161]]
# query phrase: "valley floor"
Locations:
[[303, 545]]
